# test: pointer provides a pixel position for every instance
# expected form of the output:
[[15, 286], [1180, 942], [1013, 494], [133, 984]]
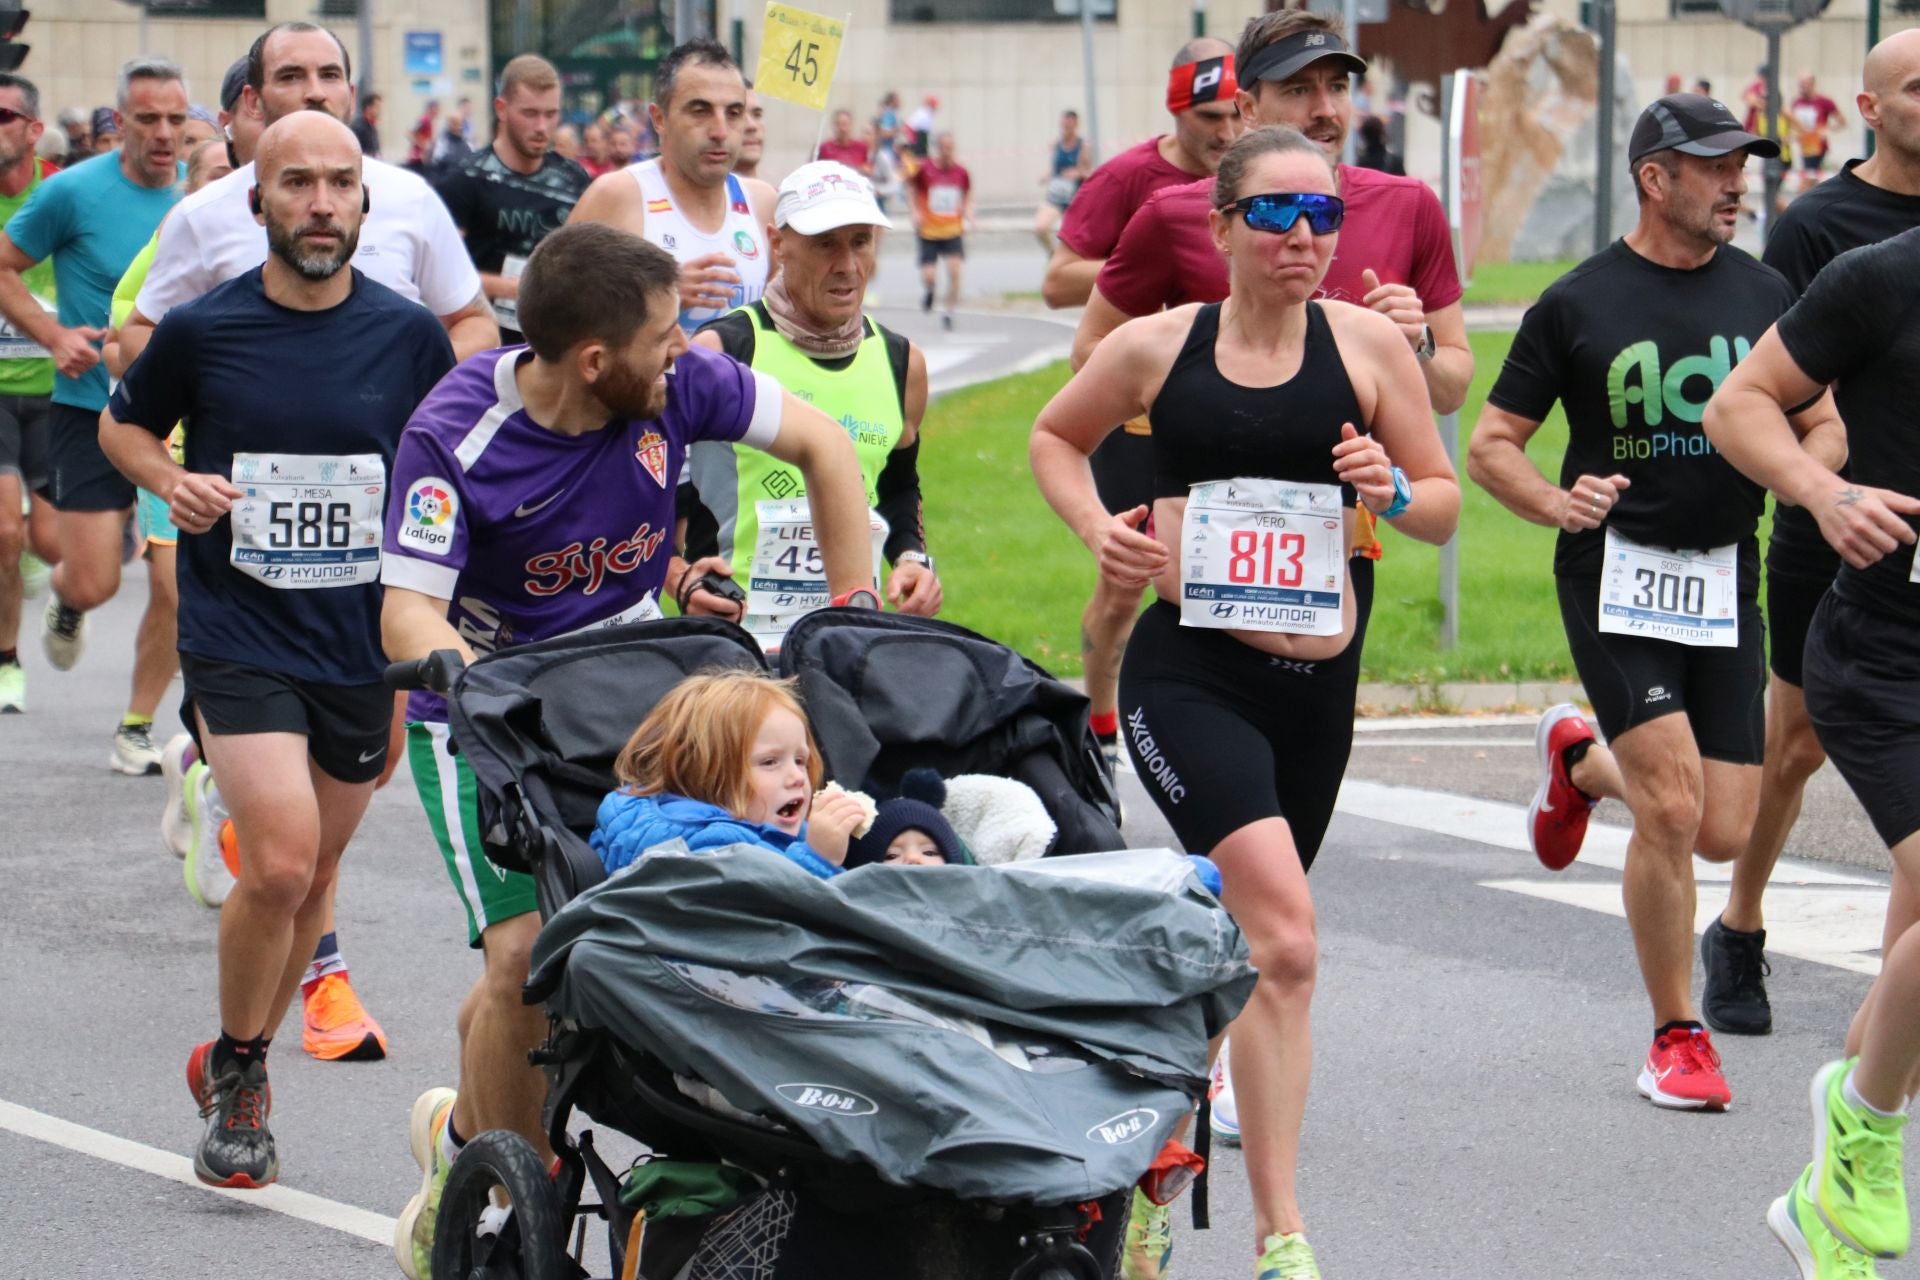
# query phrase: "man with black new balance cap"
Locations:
[[1657, 564]]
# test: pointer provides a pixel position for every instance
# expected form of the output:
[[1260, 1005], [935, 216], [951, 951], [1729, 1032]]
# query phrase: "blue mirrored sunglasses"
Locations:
[[1277, 211]]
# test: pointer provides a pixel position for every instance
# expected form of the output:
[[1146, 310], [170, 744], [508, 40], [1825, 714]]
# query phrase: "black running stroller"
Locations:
[[540, 726]]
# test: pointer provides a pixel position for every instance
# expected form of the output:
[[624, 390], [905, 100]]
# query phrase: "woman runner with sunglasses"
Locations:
[[1272, 415]]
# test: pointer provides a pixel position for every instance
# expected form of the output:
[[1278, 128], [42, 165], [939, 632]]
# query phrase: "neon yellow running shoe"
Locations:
[[1287, 1257], [1149, 1240], [413, 1230], [1818, 1253], [1856, 1181]]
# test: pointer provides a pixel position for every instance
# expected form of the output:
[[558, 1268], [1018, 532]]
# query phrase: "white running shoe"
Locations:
[[176, 833], [35, 576], [133, 751], [208, 879], [63, 637], [13, 689], [1225, 1115]]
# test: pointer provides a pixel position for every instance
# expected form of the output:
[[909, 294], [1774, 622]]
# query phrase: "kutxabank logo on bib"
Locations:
[[1635, 380]]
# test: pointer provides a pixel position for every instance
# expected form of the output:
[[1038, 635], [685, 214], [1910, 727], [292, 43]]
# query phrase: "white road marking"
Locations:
[[1443, 742], [1388, 724], [344, 1218]]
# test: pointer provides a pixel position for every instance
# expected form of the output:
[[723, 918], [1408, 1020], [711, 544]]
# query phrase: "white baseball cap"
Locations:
[[826, 195]]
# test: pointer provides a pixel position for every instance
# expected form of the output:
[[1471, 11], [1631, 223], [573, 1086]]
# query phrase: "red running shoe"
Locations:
[[1557, 818], [1683, 1072]]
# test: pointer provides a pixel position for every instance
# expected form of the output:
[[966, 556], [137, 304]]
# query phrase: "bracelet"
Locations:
[[913, 555], [683, 592]]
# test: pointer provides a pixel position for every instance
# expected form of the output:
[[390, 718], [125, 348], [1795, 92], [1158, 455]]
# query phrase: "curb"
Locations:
[[1464, 696]]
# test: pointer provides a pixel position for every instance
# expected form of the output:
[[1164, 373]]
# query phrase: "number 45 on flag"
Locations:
[[798, 52]]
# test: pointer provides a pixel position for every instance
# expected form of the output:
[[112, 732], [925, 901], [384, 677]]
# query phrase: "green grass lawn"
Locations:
[[1014, 572], [1512, 283]]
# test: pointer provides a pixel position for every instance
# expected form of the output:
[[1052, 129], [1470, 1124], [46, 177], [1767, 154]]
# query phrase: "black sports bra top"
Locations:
[[1207, 428]]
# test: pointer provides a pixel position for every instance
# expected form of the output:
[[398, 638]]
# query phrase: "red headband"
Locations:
[[1208, 80]]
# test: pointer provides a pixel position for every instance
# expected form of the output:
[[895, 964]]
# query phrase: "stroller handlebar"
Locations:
[[436, 672]]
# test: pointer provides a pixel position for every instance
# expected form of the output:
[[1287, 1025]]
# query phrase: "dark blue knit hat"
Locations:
[[916, 809]]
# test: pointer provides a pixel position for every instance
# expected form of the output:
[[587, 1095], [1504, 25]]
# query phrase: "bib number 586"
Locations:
[[311, 525]]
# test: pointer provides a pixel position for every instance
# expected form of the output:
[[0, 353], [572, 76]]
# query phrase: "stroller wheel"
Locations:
[[500, 1215]]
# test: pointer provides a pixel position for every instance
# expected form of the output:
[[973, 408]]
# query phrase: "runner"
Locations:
[[1066, 171], [506, 198], [844, 148], [514, 464], [940, 194], [91, 223], [1240, 734], [1866, 202], [753, 138], [1201, 96], [283, 686], [409, 243], [688, 200], [1656, 564], [26, 380], [746, 512], [1855, 330], [1814, 116]]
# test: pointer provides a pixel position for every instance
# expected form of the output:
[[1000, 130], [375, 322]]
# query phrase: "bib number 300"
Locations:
[[304, 520], [1688, 597]]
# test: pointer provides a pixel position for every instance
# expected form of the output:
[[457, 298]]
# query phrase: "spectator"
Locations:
[[620, 146], [73, 122], [454, 144], [105, 129], [1373, 153], [1703, 88], [420, 141], [366, 126], [920, 126], [566, 143], [596, 155]]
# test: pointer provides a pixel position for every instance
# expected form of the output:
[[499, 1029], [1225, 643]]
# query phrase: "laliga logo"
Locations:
[[429, 505], [829, 1098], [1123, 1128]]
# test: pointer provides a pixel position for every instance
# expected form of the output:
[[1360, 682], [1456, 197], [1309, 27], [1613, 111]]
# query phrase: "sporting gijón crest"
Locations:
[[652, 454]]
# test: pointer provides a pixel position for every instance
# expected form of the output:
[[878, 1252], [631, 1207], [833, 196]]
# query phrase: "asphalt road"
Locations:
[[1473, 1111]]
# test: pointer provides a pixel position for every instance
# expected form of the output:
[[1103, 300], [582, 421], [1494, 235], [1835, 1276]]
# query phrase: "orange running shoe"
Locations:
[[230, 848], [338, 1027]]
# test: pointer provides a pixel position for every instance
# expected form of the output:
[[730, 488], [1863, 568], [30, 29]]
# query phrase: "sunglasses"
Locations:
[[1277, 211], [8, 115]]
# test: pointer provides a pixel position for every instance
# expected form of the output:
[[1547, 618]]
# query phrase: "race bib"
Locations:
[[646, 610], [788, 576], [1263, 555], [308, 520], [15, 345], [944, 200], [1688, 597], [507, 310]]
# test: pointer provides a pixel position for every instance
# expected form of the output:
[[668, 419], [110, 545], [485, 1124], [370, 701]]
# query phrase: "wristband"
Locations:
[[1402, 495], [921, 558], [858, 598]]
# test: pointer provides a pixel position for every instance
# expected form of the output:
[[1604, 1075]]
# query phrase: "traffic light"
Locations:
[[13, 20]]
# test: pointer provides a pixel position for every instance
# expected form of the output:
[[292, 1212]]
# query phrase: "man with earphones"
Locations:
[[280, 505]]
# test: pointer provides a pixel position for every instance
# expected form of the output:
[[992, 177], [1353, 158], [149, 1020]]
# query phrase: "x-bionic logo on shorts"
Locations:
[[1152, 764], [432, 505]]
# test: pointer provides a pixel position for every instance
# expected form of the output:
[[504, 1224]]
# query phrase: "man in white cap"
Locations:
[[746, 513]]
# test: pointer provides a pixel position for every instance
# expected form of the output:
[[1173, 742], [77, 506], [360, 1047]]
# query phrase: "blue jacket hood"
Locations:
[[628, 825]]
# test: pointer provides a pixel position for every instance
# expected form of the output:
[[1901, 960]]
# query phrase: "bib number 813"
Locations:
[[1670, 592], [1266, 557], [310, 525]]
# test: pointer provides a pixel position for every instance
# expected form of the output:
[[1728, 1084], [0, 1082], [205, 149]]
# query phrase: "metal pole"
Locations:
[[1199, 18], [364, 39], [522, 26], [1450, 549], [143, 31], [1873, 38], [1350, 20], [1603, 15], [739, 28], [1771, 129], [685, 25], [1086, 61]]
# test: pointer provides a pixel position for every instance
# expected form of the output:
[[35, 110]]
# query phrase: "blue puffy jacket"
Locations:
[[629, 825]]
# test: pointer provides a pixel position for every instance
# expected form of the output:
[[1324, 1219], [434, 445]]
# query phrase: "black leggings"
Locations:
[[1223, 735]]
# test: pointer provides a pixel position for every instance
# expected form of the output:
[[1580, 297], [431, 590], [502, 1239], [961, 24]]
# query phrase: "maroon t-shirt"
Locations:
[[1393, 225], [1112, 193], [852, 153]]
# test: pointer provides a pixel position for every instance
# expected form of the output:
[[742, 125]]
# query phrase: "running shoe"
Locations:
[[176, 833], [133, 751], [338, 1027], [1856, 1176], [1287, 1257], [413, 1230], [1683, 1072], [237, 1149], [208, 879], [1557, 818], [13, 689], [1735, 1001], [1223, 1115], [35, 576], [1149, 1240], [64, 635], [1817, 1252]]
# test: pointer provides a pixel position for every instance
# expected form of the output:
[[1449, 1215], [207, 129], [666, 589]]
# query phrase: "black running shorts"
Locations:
[[1633, 679], [1791, 600], [79, 476], [1222, 735], [345, 725], [1123, 471], [24, 423], [1863, 696], [931, 251]]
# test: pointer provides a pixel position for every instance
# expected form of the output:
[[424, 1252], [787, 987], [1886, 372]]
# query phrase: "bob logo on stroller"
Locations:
[[1125, 1127], [830, 1098]]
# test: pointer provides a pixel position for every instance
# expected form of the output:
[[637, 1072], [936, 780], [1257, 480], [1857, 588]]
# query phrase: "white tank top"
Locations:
[[740, 237]]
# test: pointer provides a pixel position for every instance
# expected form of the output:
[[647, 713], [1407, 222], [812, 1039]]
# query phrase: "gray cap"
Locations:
[[234, 81], [1694, 126]]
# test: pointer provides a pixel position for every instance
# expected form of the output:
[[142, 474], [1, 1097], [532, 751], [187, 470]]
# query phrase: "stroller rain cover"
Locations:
[[1025, 1033]]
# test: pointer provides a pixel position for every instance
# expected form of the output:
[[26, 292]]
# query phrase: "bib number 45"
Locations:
[[802, 65]]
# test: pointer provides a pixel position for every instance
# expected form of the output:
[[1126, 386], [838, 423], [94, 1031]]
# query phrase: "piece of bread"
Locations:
[[867, 806]]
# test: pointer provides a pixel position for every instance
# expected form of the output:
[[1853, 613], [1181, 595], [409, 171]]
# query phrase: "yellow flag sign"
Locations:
[[798, 52]]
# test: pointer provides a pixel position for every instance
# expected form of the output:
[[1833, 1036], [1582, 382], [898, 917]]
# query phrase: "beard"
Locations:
[[628, 395], [312, 264]]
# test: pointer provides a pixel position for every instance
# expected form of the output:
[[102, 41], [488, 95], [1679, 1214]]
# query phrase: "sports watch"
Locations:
[[920, 558], [858, 598], [1427, 348], [1402, 495]]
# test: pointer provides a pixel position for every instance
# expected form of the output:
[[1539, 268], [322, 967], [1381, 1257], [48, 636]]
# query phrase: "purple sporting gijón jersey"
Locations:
[[529, 534]]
